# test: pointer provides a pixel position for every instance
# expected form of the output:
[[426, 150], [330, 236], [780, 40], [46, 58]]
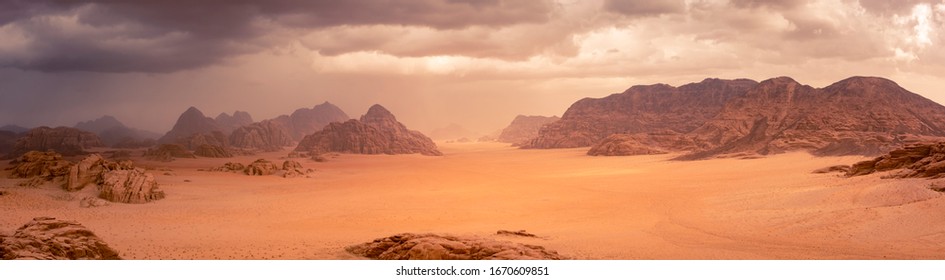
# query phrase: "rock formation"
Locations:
[[64, 140], [377, 132], [189, 123], [129, 186], [856, 116], [524, 128], [228, 123], [88, 171], [168, 152], [265, 135], [261, 167], [411, 246], [913, 161], [229, 167], [115, 134], [212, 151], [47, 238], [45, 165]]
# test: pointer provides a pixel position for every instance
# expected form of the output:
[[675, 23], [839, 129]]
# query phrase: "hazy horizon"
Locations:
[[433, 63]]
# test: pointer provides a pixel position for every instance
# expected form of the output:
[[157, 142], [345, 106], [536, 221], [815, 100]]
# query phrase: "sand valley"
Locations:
[[636, 207]]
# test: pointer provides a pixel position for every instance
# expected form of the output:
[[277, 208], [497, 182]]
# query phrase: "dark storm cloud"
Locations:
[[636, 8], [167, 36]]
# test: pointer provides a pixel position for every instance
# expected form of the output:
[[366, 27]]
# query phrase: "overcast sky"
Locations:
[[434, 62]]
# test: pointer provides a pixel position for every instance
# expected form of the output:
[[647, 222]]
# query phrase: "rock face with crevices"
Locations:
[[90, 169], [377, 132], [412, 246], [64, 140], [47, 238], [129, 186], [913, 161], [623, 145]]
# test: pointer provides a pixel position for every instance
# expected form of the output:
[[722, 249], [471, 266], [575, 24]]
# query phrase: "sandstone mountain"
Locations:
[[228, 123], [855, 116], [189, 123], [524, 128], [640, 109], [266, 135], [116, 134], [65, 140], [377, 132], [306, 121]]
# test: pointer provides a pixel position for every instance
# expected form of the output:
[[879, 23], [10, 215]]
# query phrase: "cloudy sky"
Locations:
[[477, 63]]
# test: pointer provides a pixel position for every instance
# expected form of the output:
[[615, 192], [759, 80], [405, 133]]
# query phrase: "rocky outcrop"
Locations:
[[212, 151], [623, 145], [856, 116], [116, 134], [228, 123], [88, 171], [168, 152], [411, 246], [129, 186], [64, 140], [51, 239], [261, 167], [44, 165], [265, 135], [523, 129], [912, 161], [306, 121], [291, 164], [377, 132], [230, 167], [189, 123]]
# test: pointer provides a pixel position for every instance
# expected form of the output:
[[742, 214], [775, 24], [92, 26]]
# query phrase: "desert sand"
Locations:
[[583, 207]]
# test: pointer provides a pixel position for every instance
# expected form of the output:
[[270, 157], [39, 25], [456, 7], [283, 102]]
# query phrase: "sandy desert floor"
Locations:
[[640, 207]]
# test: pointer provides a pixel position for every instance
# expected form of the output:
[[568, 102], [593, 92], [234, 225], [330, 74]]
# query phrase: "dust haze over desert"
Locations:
[[440, 129]]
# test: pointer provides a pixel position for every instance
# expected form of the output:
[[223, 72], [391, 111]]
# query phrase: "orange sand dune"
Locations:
[[640, 207]]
